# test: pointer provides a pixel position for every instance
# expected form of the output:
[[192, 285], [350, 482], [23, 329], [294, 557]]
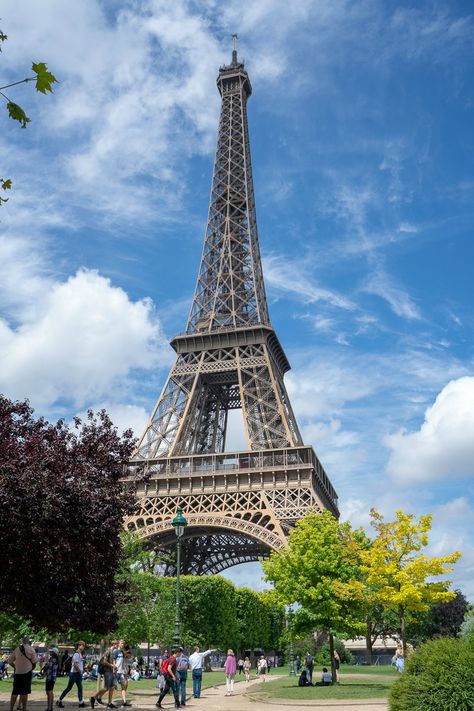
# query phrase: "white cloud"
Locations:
[[381, 284], [444, 444], [123, 416], [322, 388], [291, 276], [86, 335]]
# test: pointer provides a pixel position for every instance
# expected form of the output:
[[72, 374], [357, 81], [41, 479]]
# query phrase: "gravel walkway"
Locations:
[[214, 699]]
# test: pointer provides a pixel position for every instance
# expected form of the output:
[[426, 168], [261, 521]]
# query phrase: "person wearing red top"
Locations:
[[168, 669]]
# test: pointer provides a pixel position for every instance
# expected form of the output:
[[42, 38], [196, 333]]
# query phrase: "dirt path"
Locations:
[[214, 699]]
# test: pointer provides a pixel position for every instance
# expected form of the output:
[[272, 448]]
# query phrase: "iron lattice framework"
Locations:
[[239, 505]]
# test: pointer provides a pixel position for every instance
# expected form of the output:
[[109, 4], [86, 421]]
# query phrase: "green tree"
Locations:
[[442, 619], [253, 629], [320, 570], [399, 576]]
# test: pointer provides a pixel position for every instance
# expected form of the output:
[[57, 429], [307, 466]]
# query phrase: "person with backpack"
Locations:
[[168, 669], [182, 667], [309, 663], [75, 675], [106, 667], [24, 659]]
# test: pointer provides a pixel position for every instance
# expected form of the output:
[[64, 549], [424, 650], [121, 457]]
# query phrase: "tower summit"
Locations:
[[239, 505]]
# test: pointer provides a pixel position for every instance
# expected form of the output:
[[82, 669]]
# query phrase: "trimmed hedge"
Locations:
[[437, 677]]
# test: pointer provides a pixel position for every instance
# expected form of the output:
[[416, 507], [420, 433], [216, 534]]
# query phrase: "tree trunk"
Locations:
[[331, 653], [368, 642], [401, 612]]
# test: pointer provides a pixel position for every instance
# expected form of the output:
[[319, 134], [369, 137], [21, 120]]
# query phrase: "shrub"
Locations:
[[323, 658], [437, 677]]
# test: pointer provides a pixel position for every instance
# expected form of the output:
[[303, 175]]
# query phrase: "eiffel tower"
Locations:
[[239, 505]]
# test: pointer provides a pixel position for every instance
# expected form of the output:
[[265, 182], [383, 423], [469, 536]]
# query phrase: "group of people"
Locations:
[[173, 674], [306, 672], [244, 666], [113, 666]]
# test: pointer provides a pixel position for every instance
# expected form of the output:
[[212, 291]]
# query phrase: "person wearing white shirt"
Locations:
[[326, 677], [195, 663], [75, 675], [24, 659]]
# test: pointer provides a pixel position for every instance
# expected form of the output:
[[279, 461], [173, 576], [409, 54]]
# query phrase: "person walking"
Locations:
[[230, 668], [51, 672], [121, 655], [24, 660], [240, 666], [195, 663], [262, 667], [168, 669], [182, 667], [106, 668], [75, 675], [247, 668]]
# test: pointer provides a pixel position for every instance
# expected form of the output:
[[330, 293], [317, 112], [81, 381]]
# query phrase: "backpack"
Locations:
[[309, 660], [68, 665], [183, 663], [101, 667]]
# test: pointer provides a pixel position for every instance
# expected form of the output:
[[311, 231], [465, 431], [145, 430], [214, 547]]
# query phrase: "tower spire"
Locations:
[[230, 292], [234, 48]]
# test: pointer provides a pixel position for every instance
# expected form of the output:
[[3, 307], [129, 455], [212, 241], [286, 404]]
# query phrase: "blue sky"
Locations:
[[362, 145]]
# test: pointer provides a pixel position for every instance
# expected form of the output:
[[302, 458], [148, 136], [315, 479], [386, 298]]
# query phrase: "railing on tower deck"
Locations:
[[195, 465]]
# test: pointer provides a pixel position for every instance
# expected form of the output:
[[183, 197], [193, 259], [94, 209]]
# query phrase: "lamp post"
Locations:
[[292, 647], [179, 523]]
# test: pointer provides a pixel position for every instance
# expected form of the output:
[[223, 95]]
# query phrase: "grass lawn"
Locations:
[[349, 688], [385, 670]]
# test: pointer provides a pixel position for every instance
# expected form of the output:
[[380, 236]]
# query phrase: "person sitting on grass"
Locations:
[[303, 680], [326, 678]]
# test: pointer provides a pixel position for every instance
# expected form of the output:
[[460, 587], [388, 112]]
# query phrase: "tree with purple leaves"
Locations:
[[62, 504]]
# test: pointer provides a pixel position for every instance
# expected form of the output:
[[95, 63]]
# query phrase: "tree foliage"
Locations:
[[320, 570], [62, 505], [213, 612], [398, 575], [442, 619]]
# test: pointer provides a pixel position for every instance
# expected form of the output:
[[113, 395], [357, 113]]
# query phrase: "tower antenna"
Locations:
[[234, 48]]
